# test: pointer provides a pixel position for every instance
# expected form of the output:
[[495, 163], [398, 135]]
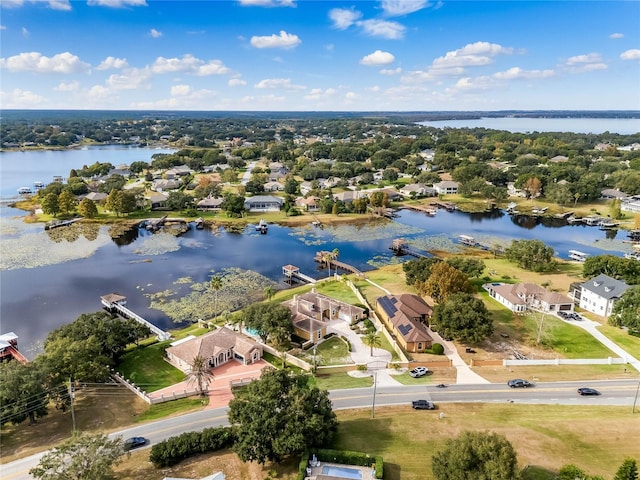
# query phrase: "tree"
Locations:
[[372, 340], [477, 455], [269, 292], [22, 392], [233, 204], [200, 374], [626, 311], [82, 457], [66, 202], [444, 281], [571, 472], [87, 208], [281, 340], [178, 200], [627, 471], [280, 415], [471, 267], [49, 204], [531, 255], [418, 270], [463, 317], [266, 318], [626, 269], [291, 186], [216, 285]]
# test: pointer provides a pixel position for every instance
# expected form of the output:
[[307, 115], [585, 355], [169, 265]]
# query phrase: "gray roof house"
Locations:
[[446, 187], [600, 293], [263, 203]]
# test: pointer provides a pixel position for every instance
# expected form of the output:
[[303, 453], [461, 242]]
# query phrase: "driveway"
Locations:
[[220, 387]]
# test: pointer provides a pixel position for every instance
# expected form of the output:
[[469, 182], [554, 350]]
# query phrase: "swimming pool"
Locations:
[[342, 472]]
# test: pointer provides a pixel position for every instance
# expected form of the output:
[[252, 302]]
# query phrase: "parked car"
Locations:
[[469, 350], [588, 391], [135, 442], [519, 383], [419, 372], [563, 314], [423, 405]]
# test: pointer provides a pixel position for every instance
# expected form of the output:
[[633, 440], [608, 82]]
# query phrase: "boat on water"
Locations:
[[38, 185], [25, 191], [467, 240], [607, 225], [262, 226], [578, 255], [199, 222]]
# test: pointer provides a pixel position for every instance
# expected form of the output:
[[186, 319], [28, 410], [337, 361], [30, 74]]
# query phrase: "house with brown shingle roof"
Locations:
[[406, 316], [311, 313], [216, 348], [522, 296]]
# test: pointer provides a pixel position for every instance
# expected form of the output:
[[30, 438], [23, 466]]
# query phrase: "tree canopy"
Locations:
[[266, 318], [280, 415], [82, 457], [477, 455], [463, 317], [621, 268], [531, 255], [443, 282], [418, 270], [22, 392], [626, 311]]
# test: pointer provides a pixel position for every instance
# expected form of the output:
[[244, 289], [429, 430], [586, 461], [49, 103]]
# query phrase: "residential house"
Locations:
[[512, 191], [598, 294], [349, 196], [520, 297], [311, 313], [210, 204], [162, 184], [559, 159], [309, 204], [177, 172], [263, 203], [273, 187], [275, 176], [216, 348], [415, 189], [446, 187], [631, 204], [406, 316], [96, 197], [157, 200], [613, 193]]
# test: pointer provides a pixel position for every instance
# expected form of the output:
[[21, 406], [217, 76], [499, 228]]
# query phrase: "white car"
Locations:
[[419, 372]]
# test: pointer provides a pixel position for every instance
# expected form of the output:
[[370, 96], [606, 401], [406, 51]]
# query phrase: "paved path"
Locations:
[[246, 176], [464, 373]]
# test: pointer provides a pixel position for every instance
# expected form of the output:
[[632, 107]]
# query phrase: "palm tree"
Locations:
[[326, 258], [334, 256], [269, 292], [372, 339], [216, 284], [200, 374]]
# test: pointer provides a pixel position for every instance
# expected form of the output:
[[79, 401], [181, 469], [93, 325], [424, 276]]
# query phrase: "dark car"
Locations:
[[519, 383], [134, 442], [423, 405], [588, 391]]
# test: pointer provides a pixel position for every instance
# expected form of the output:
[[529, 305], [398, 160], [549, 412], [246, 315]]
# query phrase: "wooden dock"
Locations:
[[60, 223], [428, 209], [115, 303], [401, 247], [448, 206], [321, 258], [293, 273]]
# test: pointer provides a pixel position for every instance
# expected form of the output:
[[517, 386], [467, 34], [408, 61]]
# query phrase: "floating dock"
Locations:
[[115, 303], [293, 273]]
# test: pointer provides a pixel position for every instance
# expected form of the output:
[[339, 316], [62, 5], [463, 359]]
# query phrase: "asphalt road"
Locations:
[[614, 393]]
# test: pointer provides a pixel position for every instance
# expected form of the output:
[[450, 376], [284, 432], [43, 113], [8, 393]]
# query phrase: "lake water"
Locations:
[[623, 126]]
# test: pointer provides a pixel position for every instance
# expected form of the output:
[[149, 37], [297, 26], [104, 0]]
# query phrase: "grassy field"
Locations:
[[629, 342], [546, 437], [147, 368]]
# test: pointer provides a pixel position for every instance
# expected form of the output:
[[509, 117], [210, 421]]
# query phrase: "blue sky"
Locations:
[[302, 55]]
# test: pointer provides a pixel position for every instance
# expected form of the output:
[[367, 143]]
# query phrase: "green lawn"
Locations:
[[629, 342], [166, 409], [147, 368], [339, 291], [568, 340], [338, 381]]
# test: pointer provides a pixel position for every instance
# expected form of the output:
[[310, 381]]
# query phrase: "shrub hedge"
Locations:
[[175, 449]]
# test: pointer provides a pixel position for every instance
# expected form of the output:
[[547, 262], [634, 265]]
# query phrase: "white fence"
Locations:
[[152, 401], [566, 361]]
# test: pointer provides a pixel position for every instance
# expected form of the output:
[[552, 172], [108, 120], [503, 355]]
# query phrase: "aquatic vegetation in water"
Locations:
[[382, 260], [36, 249], [158, 244], [372, 231], [308, 236], [183, 280], [239, 288], [434, 243]]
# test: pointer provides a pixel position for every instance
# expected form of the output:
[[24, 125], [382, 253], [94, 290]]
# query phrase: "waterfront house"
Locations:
[[415, 189], [309, 204], [311, 312], [613, 193], [263, 203], [216, 348], [96, 197], [446, 187], [631, 204], [210, 204], [598, 294], [157, 200], [522, 296], [406, 317]]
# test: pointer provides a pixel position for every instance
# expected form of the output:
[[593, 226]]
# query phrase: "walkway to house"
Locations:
[[464, 373], [220, 387]]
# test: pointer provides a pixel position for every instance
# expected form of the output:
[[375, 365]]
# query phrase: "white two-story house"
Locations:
[[600, 293]]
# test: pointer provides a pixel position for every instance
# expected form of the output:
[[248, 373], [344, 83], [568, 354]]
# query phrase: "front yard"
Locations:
[[147, 368]]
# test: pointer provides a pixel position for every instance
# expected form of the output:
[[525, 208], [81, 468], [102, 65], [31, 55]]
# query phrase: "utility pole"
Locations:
[[71, 397], [375, 383], [635, 400]]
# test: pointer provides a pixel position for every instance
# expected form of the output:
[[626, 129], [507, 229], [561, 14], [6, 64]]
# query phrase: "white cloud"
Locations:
[[391, 71], [117, 3], [267, 3], [395, 8], [67, 87], [12, 3], [2, 27], [63, 5], [180, 90], [19, 98], [284, 83], [99, 92], [517, 73], [320, 94], [36, 62], [633, 54], [131, 79], [382, 28], [343, 18], [471, 55], [112, 63], [236, 82], [582, 59], [153, 33], [52, 4], [350, 96], [189, 64], [283, 40], [377, 58], [615, 36], [585, 63], [25, 32]]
